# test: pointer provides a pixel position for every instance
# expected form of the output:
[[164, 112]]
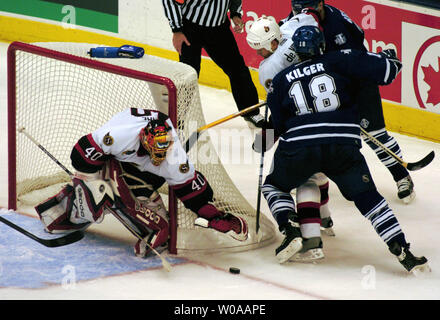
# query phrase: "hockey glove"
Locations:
[[390, 54], [211, 217], [264, 140], [125, 51], [395, 63]]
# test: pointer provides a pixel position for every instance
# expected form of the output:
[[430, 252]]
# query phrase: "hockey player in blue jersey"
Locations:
[[314, 110], [340, 33]]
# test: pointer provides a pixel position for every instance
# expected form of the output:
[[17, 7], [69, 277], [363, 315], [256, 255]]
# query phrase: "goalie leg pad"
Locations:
[[152, 226], [56, 211], [146, 212], [91, 198], [157, 240]]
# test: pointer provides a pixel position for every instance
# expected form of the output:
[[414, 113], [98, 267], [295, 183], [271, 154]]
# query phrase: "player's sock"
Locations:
[[324, 210], [281, 204], [375, 208]]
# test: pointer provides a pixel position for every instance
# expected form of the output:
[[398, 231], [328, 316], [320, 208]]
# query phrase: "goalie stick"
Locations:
[[165, 263], [195, 135], [51, 243], [411, 166]]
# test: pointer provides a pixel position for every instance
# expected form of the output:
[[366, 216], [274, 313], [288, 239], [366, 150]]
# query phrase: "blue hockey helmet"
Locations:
[[308, 41], [299, 5]]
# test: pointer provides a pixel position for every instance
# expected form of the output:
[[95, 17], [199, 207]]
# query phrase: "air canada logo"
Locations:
[[426, 74]]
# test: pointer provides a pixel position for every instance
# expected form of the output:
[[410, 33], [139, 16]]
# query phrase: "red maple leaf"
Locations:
[[432, 78]]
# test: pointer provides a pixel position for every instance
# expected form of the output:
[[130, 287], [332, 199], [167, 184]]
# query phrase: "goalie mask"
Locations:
[[156, 139]]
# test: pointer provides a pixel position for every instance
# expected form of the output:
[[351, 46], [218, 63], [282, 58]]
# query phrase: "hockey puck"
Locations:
[[234, 270]]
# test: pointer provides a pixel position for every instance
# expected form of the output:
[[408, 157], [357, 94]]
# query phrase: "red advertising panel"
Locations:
[[386, 26]]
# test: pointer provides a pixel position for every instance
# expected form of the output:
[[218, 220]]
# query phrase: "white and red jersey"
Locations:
[[119, 139], [284, 55]]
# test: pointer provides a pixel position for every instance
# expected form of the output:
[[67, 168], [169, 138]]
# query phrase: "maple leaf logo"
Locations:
[[432, 78]]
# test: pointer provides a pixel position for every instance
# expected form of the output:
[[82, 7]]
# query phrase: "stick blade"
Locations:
[[63, 241], [413, 166]]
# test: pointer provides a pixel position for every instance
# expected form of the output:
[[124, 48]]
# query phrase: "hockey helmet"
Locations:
[[156, 139], [299, 5], [262, 32], [308, 41]]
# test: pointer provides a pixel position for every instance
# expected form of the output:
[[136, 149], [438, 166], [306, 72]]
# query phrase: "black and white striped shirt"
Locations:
[[207, 13]]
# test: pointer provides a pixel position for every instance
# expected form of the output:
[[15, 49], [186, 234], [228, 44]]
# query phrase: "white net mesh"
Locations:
[[57, 102]]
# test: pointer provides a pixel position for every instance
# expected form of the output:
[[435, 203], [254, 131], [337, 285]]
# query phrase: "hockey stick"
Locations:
[[22, 130], [411, 166], [195, 135], [260, 180], [51, 243]]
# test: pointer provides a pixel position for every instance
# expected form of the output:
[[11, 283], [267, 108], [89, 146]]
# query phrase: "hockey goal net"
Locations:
[[58, 94]]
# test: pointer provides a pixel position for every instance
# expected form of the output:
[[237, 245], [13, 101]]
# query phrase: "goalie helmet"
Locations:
[[308, 41], [262, 32], [299, 5], [156, 139]]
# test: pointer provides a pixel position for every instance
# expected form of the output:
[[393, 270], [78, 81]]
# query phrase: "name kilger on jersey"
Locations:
[[298, 73], [306, 71]]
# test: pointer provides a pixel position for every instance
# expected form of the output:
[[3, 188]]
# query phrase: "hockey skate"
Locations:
[[414, 265], [311, 251], [291, 244], [327, 227], [405, 190]]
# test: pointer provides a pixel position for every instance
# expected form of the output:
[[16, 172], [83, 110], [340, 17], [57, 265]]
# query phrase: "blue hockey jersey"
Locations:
[[313, 102], [340, 31]]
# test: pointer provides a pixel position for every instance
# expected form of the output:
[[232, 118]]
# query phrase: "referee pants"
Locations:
[[221, 46]]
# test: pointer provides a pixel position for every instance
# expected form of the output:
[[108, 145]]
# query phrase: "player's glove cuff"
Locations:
[[264, 140]]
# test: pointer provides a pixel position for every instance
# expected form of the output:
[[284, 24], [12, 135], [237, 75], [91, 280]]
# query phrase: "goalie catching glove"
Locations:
[[197, 195], [210, 217]]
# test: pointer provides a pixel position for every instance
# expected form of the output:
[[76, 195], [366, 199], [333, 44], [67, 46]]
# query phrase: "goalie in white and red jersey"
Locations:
[[122, 165]]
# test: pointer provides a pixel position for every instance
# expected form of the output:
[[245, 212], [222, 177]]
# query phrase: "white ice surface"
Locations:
[[357, 263]]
